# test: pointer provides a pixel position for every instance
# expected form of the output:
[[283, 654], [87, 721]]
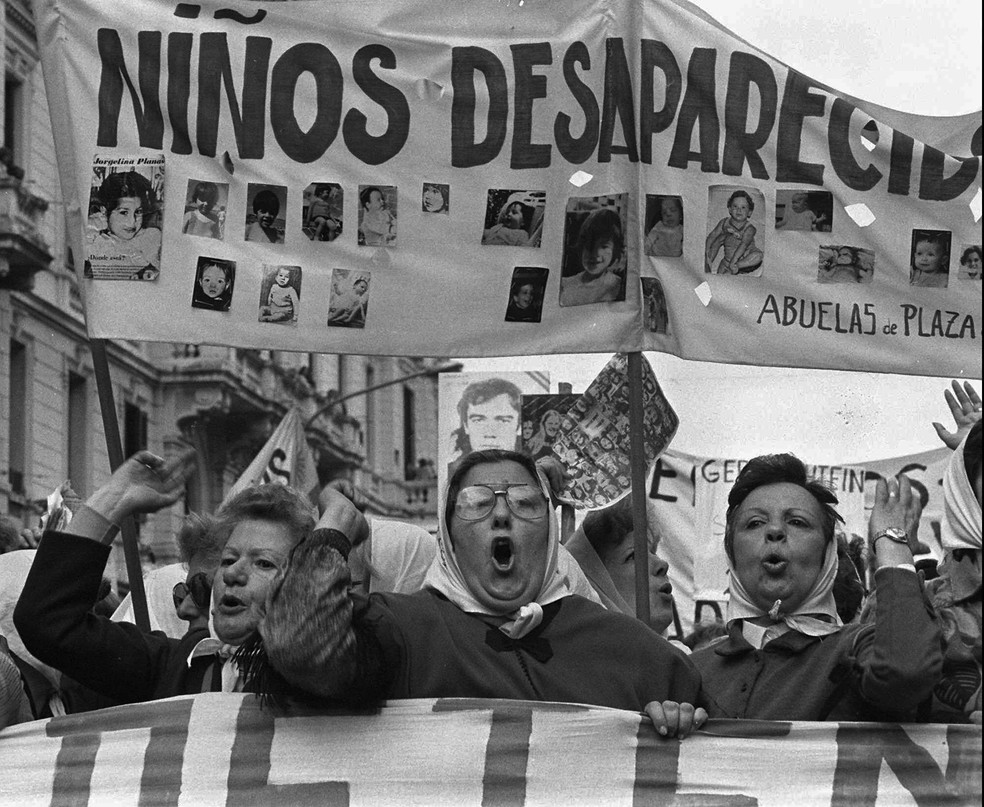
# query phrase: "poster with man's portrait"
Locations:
[[478, 411]]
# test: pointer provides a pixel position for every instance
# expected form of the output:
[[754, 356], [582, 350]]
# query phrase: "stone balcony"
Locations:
[[23, 251]]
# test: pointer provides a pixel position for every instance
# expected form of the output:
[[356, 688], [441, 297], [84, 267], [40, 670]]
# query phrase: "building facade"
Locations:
[[223, 401]]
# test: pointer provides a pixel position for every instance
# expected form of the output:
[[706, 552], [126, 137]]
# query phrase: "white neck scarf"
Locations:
[[445, 576], [961, 526], [819, 602]]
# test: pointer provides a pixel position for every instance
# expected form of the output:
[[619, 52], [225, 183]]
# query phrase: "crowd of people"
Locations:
[[323, 605]]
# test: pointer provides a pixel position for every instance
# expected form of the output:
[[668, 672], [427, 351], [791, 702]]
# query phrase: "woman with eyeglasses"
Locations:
[[494, 620]]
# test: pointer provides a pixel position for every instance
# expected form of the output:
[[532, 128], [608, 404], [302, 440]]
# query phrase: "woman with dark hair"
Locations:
[[604, 547], [787, 655], [493, 621]]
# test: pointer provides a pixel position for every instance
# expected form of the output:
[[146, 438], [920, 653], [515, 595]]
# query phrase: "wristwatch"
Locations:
[[894, 534]]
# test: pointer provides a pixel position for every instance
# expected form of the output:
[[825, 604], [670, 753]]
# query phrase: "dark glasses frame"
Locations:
[[502, 490], [199, 585]]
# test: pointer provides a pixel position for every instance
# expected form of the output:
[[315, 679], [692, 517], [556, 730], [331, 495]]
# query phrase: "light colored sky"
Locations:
[[921, 56]]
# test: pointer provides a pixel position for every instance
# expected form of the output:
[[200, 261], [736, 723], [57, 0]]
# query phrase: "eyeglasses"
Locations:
[[524, 501], [200, 588]]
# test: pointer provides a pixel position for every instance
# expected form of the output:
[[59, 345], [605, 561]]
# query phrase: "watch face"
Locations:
[[894, 534]]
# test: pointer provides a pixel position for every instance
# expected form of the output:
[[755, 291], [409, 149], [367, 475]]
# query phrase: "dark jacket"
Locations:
[[115, 659], [879, 671]]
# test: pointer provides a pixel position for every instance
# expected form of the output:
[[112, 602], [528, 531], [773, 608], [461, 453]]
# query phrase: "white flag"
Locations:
[[285, 458]]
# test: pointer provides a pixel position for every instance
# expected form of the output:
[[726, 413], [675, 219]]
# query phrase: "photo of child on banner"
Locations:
[[657, 318], [594, 440], [514, 218], [664, 226], [736, 233], [435, 197], [806, 211], [349, 301], [204, 201], [214, 280], [526, 292], [280, 294], [322, 211], [377, 215], [930, 259], [970, 262], [594, 260], [126, 207], [265, 224], [844, 264]]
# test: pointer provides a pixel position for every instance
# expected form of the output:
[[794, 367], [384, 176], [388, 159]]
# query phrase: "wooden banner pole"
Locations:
[[637, 461], [114, 446], [566, 510]]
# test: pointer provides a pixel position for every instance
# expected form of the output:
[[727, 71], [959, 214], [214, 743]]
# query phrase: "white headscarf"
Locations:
[[818, 602], [445, 576], [961, 526]]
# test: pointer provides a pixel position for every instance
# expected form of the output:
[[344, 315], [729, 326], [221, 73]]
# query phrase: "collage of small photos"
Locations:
[[126, 211], [735, 241]]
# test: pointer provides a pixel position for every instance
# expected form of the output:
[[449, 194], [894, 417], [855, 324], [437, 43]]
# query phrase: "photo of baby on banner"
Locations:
[[807, 211], [321, 211], [664, 226], [738, 236], [844, 264], [526, 293], [929, 259], [514, 218], [656, 316], [264, 224], [205, 206], [214, 280], [377, 215], [594, 439], [349, 302], [280, 294], [123, 228], [594, 260], [970, 262], [435, 198], [542, 417]]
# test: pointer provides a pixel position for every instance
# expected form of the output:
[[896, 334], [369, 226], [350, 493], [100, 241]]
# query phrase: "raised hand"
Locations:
[[145, 483], [965, 406]]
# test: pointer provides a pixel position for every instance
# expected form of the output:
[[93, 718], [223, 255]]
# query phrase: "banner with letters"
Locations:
[[223, 749], [416, 177], [688, 500]]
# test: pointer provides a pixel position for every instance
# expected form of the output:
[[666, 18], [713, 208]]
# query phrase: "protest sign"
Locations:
[[594, 439], [479, 411], [224, 749], [653, 181]]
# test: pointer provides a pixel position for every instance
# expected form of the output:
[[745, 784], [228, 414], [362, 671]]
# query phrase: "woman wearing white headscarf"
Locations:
[[787, 655], [956, 593], [494, 619]]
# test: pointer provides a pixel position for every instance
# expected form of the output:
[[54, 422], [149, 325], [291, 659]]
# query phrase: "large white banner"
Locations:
[[217, 749], [419, 177]]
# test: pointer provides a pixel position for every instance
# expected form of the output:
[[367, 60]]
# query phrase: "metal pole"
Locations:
[[114, 447], [447, 368], [637, 460]]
